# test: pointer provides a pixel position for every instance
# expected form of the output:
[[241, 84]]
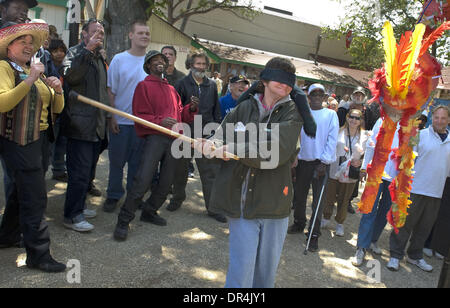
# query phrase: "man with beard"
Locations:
[[238, 85], [196, 87], [158, 102]]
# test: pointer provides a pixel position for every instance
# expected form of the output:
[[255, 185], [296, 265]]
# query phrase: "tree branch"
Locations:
[[204, 10]]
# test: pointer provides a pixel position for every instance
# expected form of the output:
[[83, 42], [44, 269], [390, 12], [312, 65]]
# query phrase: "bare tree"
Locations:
[[118, 16], [176, 10]]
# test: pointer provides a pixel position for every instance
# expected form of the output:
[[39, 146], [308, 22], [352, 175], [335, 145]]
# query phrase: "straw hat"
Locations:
[[39, 32]]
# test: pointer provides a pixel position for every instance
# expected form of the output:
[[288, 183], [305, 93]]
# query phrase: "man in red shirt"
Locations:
[[156, 101]]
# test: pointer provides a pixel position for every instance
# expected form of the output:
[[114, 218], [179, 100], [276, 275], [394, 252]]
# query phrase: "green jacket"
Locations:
[[266, 190]]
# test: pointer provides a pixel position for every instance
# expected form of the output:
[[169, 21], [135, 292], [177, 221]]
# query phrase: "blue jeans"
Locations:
[[125, 147], [255, 251], [372, 225], [82, 157]]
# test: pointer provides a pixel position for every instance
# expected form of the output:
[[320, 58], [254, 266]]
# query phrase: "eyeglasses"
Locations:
[[355, 118]]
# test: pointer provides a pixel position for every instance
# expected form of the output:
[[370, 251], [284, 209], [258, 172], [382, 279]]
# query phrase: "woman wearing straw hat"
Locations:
[[27, 102]]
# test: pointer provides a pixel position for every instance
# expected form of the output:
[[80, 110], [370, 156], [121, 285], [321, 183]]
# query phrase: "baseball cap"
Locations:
[[316, 86], [239, 78], [359, 90]]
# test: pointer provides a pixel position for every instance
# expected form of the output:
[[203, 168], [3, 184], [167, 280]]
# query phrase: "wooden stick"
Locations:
[[135, 119]]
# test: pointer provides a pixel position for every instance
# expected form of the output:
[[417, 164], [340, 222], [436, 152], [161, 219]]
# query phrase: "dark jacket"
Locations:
[[81, 75], [371, 114], [175, 77], [209, 107], [270, 191]]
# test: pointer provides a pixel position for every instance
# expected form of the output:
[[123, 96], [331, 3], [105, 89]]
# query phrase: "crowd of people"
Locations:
[[321, 144]]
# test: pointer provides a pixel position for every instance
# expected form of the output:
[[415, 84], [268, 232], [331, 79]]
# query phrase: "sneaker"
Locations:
[[218, 217], [324, 223], [393, 264], [358, 260], [94, 191], [339, 230], [439, 256], [172, 207], [121, 231], [375, 249], [82, 226], [48, 266], [421, 264], [110, 205], [90, 213], [428, 252], [153, 218], [61, 177], [191, 175], [295, 228]]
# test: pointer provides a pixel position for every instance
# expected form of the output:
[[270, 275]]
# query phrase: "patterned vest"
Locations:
[[21, 124]]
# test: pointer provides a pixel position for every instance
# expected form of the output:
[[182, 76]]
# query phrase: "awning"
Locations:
[[307, 70]]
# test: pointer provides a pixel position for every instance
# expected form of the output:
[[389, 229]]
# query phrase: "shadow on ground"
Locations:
[[192, 252]]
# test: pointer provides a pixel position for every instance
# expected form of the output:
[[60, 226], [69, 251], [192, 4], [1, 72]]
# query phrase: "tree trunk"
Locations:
[[185, 19], [118, 18]]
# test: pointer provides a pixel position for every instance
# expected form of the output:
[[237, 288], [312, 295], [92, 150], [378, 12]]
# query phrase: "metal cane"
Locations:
[[325, 180]]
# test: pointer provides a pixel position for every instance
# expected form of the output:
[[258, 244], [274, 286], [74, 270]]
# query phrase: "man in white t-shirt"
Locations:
[[430, 174], [125, 72], [314, 161]]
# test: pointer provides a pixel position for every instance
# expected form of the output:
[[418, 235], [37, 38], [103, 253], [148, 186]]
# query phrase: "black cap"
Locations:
[[30, 3], [239, 78]]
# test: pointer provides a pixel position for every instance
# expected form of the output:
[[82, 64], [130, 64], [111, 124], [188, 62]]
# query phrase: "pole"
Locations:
[[325, 180], [135, 119], [74, 30]]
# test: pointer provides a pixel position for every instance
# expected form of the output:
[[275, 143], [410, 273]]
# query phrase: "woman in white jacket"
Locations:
[[351, 146]]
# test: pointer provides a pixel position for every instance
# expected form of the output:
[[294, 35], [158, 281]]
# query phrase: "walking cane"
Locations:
[[325, 180], [74, 95]]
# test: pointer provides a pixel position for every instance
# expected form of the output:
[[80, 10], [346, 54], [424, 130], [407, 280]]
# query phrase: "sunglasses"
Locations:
[[355, 118]]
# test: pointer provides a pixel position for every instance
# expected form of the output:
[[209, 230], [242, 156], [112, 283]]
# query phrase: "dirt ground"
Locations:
[[192, 252]]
